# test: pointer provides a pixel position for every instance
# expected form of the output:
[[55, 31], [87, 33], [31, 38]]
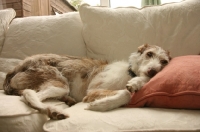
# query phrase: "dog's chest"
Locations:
[[114, 77]]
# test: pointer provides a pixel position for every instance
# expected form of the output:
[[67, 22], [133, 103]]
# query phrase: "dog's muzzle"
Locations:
[[151, 72]]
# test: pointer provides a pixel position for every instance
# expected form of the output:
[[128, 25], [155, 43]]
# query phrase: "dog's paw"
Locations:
[[131, 88], [90, 106], [71, 102], [133, 85], [56, 114]]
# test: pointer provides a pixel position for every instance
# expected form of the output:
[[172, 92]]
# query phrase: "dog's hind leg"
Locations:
[[104, 100], [35, 100]]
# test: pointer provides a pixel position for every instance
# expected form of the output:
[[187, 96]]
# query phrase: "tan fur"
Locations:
[[36, 70]]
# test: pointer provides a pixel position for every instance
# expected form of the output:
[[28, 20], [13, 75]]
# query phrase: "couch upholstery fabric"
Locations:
[[126, 119], [60, 34], [6, 17], [114, 33]]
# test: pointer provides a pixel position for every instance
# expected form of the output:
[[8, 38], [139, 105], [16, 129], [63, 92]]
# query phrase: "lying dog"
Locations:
[[72, 79]]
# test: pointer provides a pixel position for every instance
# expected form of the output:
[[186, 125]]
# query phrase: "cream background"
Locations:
[[114, 33]]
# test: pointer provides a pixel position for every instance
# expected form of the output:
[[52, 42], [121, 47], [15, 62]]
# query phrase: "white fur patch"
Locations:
[[113, 77]]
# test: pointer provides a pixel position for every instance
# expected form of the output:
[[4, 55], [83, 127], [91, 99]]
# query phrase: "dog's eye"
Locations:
[[149, 54], [164, 62]]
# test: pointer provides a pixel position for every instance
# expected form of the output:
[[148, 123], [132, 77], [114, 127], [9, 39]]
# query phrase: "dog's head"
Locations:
[[148, 60]]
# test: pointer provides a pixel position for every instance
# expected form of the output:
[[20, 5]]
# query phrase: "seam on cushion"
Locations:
[[166, 94]]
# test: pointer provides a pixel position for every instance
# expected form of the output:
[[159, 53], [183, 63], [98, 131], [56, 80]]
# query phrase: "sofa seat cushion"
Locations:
[[113, 34], [6, 17], [13, 106], [58, 34], [125, 119], [23, 123], [176, 86], [16, 116]]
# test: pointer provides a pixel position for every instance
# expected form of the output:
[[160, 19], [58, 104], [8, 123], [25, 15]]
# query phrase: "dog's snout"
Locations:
[[152, 72]]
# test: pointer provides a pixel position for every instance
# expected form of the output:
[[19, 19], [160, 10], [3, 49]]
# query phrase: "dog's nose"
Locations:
[[152, 72]]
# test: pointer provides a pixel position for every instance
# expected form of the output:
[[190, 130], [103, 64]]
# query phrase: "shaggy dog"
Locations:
[[72, 79]]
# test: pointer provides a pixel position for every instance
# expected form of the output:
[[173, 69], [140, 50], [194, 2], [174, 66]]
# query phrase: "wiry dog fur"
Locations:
[[72, 79]]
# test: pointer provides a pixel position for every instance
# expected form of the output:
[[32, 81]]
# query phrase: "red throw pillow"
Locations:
[[176, 86]]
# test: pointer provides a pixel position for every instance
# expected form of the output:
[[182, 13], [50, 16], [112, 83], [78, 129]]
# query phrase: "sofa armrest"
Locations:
[[6, 17]]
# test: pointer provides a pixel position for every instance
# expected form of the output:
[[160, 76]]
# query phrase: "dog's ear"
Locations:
[[168, 53], [142, 48]]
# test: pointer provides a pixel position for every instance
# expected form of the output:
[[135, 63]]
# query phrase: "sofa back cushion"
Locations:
[[6, 17], [115, 33], [60, 34]]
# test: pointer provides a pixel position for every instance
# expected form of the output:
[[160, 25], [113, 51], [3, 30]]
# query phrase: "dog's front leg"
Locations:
[[136, 83]]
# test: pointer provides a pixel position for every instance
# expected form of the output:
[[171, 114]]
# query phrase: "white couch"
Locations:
[[98, 32]]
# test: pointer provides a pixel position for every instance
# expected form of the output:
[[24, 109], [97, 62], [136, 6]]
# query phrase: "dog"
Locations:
[[72, 79]]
